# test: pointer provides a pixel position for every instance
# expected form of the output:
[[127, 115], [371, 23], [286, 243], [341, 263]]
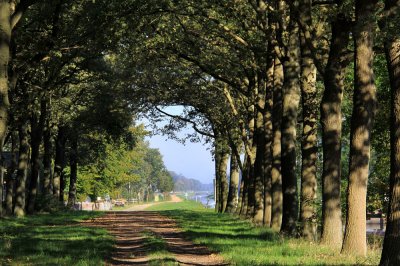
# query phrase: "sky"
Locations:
[[192, 160]]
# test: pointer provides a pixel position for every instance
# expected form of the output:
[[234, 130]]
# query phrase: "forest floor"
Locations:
[[148, 238]]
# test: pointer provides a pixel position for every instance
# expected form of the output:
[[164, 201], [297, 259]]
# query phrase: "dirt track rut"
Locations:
[[129, 230]]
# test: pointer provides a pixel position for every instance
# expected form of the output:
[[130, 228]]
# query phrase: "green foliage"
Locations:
[[122, 169]]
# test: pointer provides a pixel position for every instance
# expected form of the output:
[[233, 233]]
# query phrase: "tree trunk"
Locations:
[[252, 143], [222, 168], [232, 201], [276, 177], [258, 213], [240, 198], [291, 100], [331, 122], [308, 216], [5, 40], [59, 162], [37, 126], [11, 174], [268, 138], [22, 173], [73, 162], [245, 196], [47, 176], [391, 246], [364, 102], [217, 185]]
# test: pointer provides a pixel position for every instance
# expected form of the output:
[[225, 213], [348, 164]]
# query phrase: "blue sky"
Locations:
[[193, 160]]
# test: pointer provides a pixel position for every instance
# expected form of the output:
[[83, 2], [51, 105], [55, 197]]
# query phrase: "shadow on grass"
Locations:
[[220, 226], [54, 239]]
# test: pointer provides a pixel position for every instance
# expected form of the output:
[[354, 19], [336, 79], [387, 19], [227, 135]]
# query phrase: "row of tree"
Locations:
[[64, 109], [255, 77]]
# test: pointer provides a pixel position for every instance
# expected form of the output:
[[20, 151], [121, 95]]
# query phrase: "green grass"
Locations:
[[240, 243], [53, 239]]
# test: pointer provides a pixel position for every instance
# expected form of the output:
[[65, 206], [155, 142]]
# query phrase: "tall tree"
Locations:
[[364, 104], [309, 134], [331, 122], [291, 100], [390, 251]]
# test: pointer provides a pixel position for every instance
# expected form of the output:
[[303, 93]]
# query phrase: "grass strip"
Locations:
[[53, 239], [241, 243]]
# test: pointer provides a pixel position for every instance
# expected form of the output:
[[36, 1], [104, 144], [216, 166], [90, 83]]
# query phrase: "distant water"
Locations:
[[207, 199]]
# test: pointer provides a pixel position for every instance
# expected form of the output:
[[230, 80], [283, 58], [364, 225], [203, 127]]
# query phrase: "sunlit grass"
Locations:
[[240, 243], [53, 239]]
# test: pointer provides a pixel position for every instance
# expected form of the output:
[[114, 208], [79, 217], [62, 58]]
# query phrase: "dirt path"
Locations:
[[130, 228]]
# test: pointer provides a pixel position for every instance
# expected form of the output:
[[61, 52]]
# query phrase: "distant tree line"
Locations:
[[184, 184]]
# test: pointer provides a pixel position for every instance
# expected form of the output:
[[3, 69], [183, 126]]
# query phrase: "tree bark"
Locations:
[[331, 122], [268, 138], [276, 176], [308, 216], [47, 144], [240, 199], [59, 161], [391, 246], [73, 162], [5, 40], [291, 100], [232, 202], [222, 173], [259, 141], [245, 195], [47, 175], [22, 172], [364, 103], [10, 182], [37, 126]]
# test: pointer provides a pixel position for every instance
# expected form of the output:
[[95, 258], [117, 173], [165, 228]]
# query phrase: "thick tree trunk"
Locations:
[[37, 126], [308, 216], [73, 162], [22, 173], [391, 245], [240, 199], [232, 202], [268, 138], [47, 143], [11, 174], [222, 173], [5, 40], [259, 141], [47, 175], [216, 182], [291, 100], [364, 102], [245, 196], [276, 177], [331, 122], [252, 143], [59, 161]]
